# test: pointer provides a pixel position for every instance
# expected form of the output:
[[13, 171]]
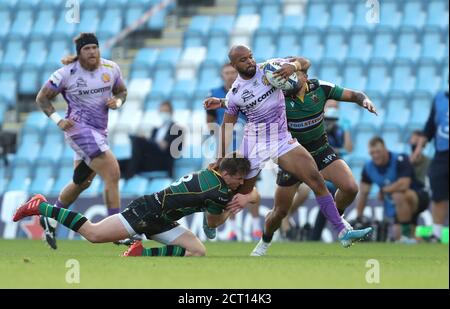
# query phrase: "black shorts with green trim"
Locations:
[[323, 159], [144, 216]]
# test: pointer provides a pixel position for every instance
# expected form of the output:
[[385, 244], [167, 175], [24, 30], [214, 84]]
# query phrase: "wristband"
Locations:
[[55, 117], [119, 103]]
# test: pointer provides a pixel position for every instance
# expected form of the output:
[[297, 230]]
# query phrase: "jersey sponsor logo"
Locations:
[[260, 99], [81, 82], [55, 79], [94, 91], [247, 95], [106, 78], [329, 158], [305, 124], [222, 199]]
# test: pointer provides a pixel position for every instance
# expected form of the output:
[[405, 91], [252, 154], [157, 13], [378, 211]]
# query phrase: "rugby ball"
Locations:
[[278, 82]]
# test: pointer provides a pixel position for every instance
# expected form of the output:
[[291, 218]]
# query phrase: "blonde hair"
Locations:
[[69, 59]]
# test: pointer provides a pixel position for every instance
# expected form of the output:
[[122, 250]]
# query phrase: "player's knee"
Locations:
[[85, 184], [199, 250], [350, 188], [281, 212]]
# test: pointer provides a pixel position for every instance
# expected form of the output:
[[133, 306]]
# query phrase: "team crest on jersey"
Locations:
[[106, 78], [315, 98], [247, 95], [265, 81], [81, 83]]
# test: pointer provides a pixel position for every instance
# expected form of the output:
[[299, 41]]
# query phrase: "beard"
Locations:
[[248, 73]]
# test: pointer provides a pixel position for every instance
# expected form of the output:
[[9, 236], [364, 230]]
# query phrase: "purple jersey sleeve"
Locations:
[[56, 81], [232, 109]]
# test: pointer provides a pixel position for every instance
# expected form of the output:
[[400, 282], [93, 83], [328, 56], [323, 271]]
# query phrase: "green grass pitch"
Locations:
[[31, 264]]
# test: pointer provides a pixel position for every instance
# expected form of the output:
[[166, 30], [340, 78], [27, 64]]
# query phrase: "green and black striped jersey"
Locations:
[[196, 192], [305, 115]]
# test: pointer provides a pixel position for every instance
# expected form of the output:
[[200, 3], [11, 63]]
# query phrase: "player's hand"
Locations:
[[212, 103], [285, 71], [65, 124], [368, 104], [238, 202], [112, 103]]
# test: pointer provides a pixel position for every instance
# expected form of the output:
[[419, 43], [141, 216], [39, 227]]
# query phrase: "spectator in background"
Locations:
[[404, 197], [214, 120], [437, 127], [421, 163], [154, 153], [339, 138]]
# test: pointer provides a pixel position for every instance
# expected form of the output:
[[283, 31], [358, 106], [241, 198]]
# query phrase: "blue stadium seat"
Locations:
[[335, 44], [89, 20], [359, 44], [157, 21], [29, 82], [15, 53], [28, 148], [136, 186], [369, 120], [57, 50], [330, 70], [209, 73], [111, 23], [158, 184], [36, 53], [133, 14], [402, 76], [354, 75], [311, 44], [428, 74], [270, 18], [182, 89], [162, 81], [47, 72], [35, 122], [98, 4], [292, 23], [432, 45], [392, 138], [263, 47], [248, 7], [21, 27], [122, 151], [413, 14], [383, 43], [50, 152], [360, 16], [45, 21], [9, 91], [143, 63], [398, 112], [221, 24], [64, 28], [18, 181], [168, 57], [63, 177], [217, 49], [378, 76], [118, 4], [317, 14], [6, 18], [351, 112], [197, 31], [420, 104], [437, 13], [3, 108], [362, 138], [407, 44], [341, 15], [52, 4], [287, 43], [389, 14], [43, 179]]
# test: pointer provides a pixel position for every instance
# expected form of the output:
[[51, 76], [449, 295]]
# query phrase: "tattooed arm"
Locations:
[[360, 98], [44, 100]]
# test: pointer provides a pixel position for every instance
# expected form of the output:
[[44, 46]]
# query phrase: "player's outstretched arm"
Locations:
[[294, 64], [214, 103], [359, 98]]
